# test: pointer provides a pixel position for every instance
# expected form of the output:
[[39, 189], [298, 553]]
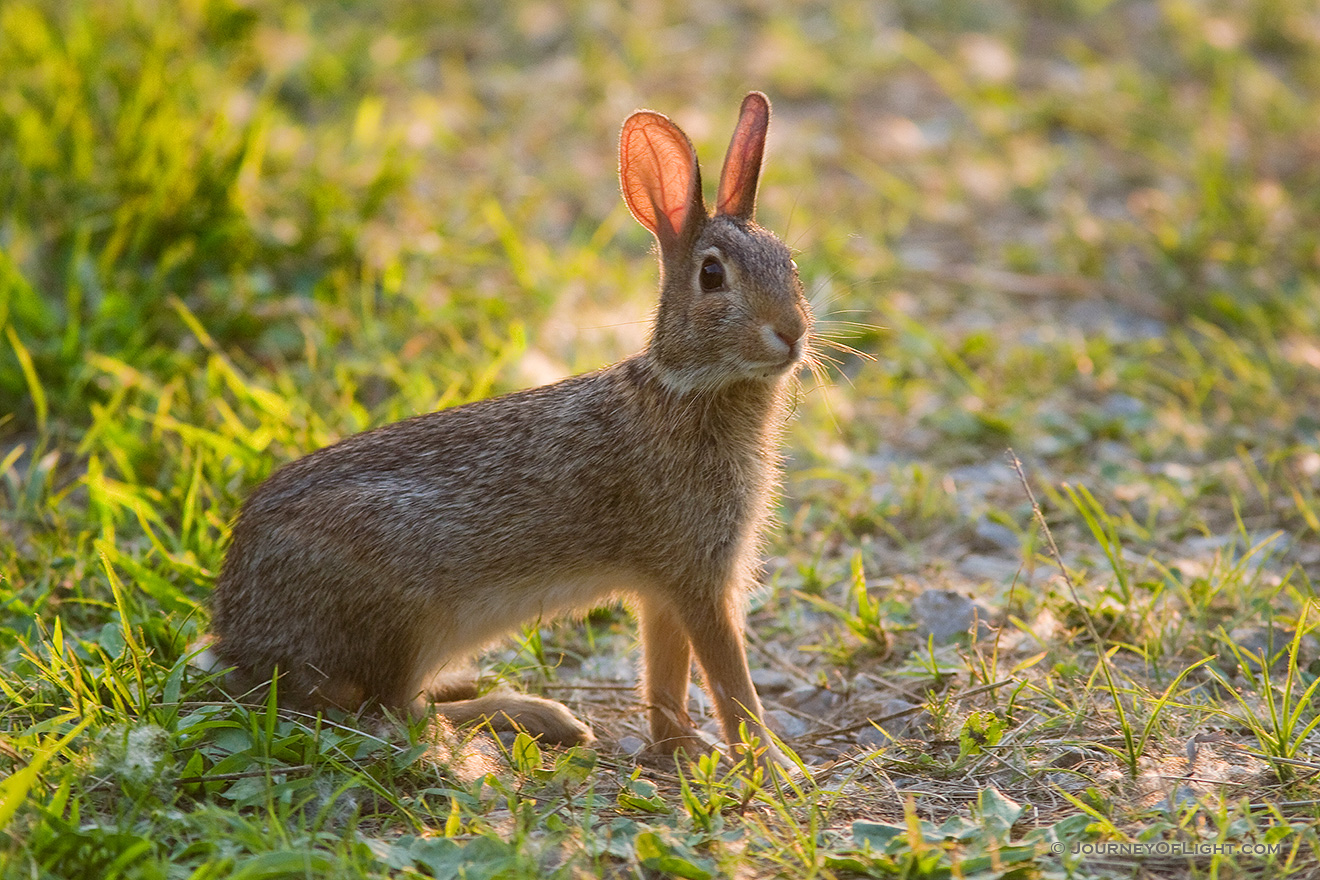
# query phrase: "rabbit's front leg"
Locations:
[[715, 631], [668, 659]]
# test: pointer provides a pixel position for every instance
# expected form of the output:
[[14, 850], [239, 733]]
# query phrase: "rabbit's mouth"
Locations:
[[774, 369]]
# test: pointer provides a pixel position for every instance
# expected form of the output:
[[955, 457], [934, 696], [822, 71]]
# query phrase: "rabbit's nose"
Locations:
[[790, 338]]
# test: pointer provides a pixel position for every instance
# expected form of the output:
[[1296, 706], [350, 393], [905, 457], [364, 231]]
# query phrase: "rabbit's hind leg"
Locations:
[[301, 687], [544, 719], [451, 684]]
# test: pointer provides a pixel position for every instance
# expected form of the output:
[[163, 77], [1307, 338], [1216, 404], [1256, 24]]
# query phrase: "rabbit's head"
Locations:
[[731, 304]]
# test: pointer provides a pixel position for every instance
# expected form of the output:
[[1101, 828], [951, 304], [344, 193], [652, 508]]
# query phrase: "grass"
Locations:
[[234, 232]]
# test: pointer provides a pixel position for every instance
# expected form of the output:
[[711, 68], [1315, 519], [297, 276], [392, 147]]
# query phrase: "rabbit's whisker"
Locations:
[[848, 349]]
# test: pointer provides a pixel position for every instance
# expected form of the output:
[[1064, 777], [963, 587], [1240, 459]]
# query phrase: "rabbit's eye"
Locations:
[[711, 275]]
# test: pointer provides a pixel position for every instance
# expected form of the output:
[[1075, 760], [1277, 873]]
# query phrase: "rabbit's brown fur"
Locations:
[[362, 570]]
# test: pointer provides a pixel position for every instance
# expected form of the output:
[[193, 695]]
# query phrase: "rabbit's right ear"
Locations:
[[659, 174]]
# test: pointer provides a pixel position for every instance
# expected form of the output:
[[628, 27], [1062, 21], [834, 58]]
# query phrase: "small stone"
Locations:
[[631, 745], [812, 701], [983, 477], [1115, 322], [771, 681], [784, 724], [908, 720], [834, 749], [1123, 406], [996, 569], [946, 615], [871, 739], [992, 536], [1072, 756], [1181, 797], [890, 720], [863, 684]]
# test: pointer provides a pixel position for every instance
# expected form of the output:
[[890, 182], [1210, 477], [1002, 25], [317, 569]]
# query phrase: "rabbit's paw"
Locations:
[[546, 720], [690, 745]]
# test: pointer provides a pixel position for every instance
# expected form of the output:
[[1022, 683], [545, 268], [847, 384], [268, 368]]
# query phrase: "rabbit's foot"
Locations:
[[548, 721], [453, 684], [679, 748], [770, 758], [690, 744]]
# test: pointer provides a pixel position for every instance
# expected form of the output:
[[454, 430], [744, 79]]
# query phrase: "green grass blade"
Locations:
[[14, 788], [30, 376]]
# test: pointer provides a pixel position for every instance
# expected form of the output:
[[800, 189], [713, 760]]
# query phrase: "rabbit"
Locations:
[[363, 572]]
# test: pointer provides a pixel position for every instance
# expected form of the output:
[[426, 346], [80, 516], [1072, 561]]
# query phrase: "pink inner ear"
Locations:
[[742, 164], [656, 169]]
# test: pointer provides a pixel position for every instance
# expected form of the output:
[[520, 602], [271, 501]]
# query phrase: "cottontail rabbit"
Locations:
[[364, 570]]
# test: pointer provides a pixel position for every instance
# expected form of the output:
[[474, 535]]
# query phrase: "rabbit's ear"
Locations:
[[660, 178], [742, 164]]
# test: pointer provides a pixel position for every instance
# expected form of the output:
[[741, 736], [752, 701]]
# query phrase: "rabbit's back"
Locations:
[[377, 558]]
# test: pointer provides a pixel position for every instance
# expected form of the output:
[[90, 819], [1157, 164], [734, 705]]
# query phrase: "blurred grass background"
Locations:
[[232, 232]]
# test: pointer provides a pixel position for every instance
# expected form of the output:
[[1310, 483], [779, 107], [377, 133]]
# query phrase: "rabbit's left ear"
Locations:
[[742, 164]]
